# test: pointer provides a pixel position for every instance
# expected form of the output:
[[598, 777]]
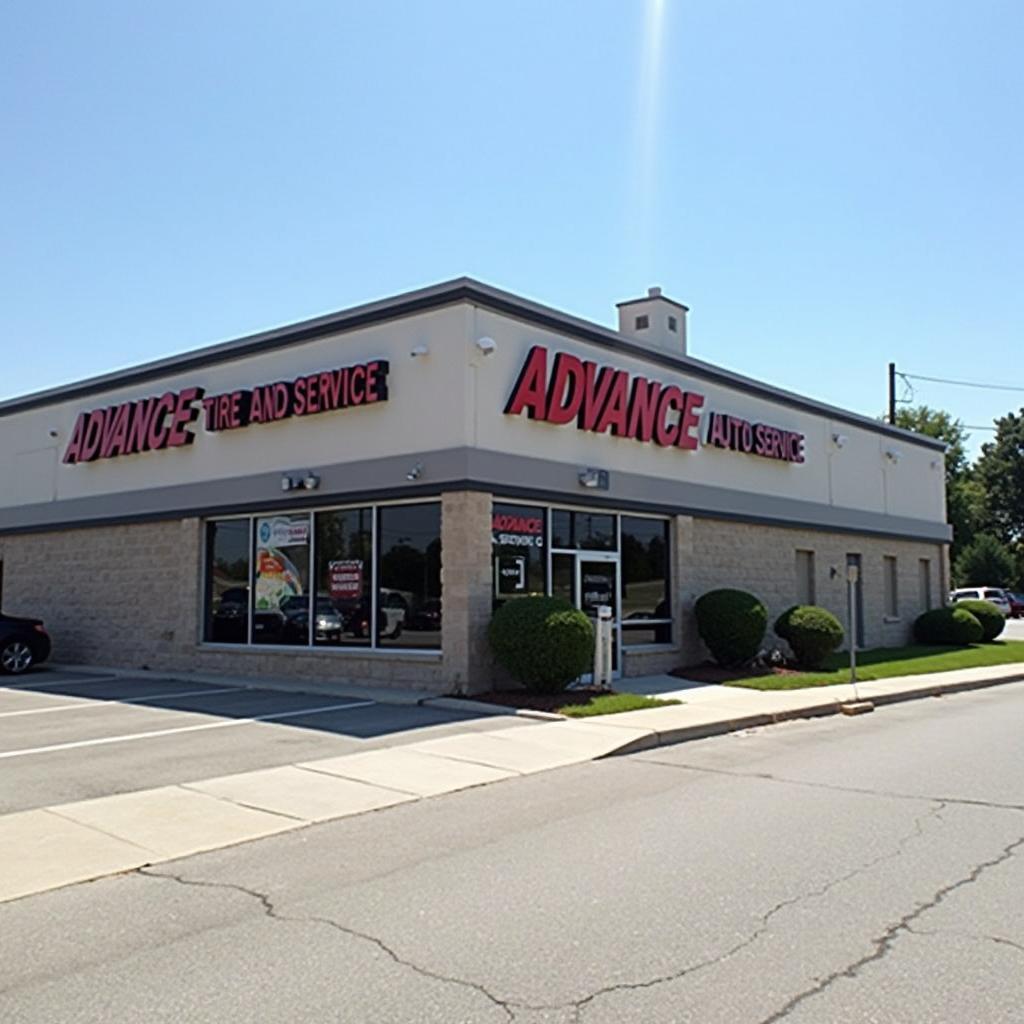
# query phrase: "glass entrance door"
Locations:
[[597, 583]]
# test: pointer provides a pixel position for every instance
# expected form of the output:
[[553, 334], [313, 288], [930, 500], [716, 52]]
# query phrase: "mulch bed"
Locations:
[[709, 672], [539, 701]]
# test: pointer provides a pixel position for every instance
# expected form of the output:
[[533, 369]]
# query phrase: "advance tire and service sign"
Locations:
[[159, 422]]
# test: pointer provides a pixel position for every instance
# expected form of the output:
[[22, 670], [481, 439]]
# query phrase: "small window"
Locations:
[[924, 579], [805, 577], [642, 323], [892, 598], [673, 324]]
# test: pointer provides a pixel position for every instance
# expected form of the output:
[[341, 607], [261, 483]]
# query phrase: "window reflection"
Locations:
[[409, 576], [645, 581], [344, 553], [227, 582]]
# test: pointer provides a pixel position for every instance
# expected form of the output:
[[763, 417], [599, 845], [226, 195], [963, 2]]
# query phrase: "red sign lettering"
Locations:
[[603, 399]]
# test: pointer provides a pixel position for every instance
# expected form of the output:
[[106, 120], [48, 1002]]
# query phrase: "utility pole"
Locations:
[[892, 394]]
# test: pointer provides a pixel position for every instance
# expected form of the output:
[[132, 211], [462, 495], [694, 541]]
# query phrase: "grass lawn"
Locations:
[[887, 662], [612, 703]]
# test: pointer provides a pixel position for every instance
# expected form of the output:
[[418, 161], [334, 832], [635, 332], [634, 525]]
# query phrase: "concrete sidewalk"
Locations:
[[54, 846]]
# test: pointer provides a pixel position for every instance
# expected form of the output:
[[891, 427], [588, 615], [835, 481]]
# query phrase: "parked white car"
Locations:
[[996, 595]]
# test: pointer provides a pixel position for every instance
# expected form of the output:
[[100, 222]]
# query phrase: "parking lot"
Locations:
[[69, 736]]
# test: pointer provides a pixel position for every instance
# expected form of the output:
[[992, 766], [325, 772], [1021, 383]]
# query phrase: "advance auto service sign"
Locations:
[[603, 399]]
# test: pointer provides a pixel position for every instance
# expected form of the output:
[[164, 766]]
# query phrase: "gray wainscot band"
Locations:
[[461, 468]]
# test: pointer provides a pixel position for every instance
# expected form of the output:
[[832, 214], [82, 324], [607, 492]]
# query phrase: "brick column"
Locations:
[[466, 590]]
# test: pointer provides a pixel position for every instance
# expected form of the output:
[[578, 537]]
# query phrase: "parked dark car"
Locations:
[[23, 643], [1016, 605]]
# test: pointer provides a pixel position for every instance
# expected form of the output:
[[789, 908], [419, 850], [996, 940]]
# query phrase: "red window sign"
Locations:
[[345, 579]]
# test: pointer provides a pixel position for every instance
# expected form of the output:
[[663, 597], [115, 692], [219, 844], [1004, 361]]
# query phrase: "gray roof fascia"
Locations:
[[461, 289]]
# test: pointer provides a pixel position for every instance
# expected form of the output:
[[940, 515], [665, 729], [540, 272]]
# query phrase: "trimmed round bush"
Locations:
[[544, 642], [812, 633], [954, 627], [731, 623], [990, 617]]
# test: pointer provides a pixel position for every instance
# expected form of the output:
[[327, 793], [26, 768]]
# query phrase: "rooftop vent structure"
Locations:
[[655, 321]]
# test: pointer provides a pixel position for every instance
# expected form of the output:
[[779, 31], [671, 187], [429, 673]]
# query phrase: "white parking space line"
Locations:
[[224, 724], [46, 686], [91, 703]]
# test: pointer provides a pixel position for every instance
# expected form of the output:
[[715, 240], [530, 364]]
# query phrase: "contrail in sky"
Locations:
[[645, 176]]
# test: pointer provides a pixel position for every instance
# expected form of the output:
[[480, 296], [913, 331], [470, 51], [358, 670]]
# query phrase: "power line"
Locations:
[[960, 383]]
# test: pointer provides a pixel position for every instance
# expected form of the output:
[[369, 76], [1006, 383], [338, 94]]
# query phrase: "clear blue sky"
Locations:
[[829, 185]]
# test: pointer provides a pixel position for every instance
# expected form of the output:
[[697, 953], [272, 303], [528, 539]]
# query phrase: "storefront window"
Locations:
[[409, 576], [344, 561], [591, 531], [517, 545], [646, 604], [227, 582], [281, 604]]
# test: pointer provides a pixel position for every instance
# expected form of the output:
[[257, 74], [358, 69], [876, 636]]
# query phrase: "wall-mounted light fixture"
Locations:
[[416, 472], [419, 351], [288, 484], [595, 479], [839, 440], [486, 345]]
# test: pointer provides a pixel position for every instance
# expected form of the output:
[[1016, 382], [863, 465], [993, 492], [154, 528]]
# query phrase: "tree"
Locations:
[[965, 496], [1000, 471], [985, 562], [939, 424]]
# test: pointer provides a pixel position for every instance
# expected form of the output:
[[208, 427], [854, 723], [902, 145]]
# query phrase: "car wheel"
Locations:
[[16, 658]]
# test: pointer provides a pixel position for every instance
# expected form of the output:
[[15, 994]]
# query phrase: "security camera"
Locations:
[[310, 482], [486, 345], [839, 440], [420, 350], [287, 483], [416, 472]]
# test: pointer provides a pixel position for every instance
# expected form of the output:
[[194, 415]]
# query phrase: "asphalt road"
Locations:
[[67, 736], [864, 869]]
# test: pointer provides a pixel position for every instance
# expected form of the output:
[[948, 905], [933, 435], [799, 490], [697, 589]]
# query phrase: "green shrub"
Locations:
[[954, 627], [544, 642], [990, 617], [813, 633], [731, 623]]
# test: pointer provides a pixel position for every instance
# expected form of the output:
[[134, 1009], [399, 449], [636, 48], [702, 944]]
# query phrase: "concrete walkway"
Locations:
[[54, 846]]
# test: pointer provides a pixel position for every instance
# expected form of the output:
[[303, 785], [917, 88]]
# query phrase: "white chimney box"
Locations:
[[655, 321]]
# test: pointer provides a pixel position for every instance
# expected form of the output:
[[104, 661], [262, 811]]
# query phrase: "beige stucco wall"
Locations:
[[453, 398]]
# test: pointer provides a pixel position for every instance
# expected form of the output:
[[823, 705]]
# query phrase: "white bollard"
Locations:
[[603, 648]]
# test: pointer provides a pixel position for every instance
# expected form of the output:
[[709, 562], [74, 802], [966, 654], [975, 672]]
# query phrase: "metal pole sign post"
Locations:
[[603, 648], [852, 573]]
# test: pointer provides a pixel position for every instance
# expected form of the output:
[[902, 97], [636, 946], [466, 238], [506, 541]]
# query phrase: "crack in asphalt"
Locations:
[[884, 943], [763, 927], [272, 912], [575, 1007], [782, 780], [998, 939]]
